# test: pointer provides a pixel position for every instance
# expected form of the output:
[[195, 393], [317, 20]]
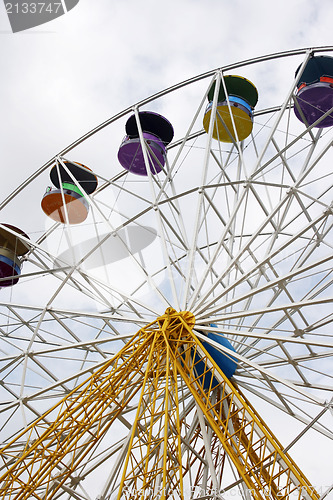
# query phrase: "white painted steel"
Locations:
[[240, 234]]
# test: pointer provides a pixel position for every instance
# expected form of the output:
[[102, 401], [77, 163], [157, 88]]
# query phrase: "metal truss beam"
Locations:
[[149, 375]]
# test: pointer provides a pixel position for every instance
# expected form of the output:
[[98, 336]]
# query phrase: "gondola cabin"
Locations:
[[157, 132], [314, 96], [67, 203], [11, 248], [227, 363], [234, 114]]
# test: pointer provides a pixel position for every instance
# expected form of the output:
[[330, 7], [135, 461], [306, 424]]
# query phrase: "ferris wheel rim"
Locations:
[[142, 102], [260, 373]]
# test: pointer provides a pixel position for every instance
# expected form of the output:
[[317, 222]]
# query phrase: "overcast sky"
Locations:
[[61, 79]]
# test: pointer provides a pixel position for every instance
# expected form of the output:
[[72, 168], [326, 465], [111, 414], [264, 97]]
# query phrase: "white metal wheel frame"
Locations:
[[239, 234]]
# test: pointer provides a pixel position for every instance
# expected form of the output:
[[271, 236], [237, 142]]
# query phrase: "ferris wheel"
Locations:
[[166, 307]]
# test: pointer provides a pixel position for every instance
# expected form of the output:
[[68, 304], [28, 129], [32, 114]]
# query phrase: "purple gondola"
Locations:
[[157, 132], [314, 96]]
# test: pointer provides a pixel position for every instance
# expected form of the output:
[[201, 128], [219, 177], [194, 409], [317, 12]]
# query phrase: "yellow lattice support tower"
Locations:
[[161, 360]]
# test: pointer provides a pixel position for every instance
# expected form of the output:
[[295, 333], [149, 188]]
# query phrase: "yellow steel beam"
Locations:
[[151, 373], [54, 451], [254, 450]]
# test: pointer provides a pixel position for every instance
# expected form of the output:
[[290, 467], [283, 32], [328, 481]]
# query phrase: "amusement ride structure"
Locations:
[[167, 311]]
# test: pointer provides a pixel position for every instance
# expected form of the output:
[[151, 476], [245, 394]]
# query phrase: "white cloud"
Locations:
[[61, 79]]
